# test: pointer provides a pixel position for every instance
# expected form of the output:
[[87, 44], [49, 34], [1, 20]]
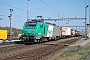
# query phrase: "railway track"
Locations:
[[35, 52], [1, 44]]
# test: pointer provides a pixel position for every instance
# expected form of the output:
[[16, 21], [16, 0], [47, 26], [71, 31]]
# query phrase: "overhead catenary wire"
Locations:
[[3, 12], [5, 15], [12, 6], [14, 14], [17, 8], [65, 8], [51, 7]]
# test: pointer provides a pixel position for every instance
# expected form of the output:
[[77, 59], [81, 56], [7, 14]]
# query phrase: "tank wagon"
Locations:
[[37, 31]]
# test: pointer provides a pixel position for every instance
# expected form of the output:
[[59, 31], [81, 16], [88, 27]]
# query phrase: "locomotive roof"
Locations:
[[32, 21], [50, 23], [35, 21]]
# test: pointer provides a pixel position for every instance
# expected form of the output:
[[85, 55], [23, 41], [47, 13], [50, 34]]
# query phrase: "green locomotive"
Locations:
[[37, 31]]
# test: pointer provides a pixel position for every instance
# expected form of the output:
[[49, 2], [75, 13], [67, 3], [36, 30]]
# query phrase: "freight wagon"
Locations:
[[3, 34], [72, 33], [65, 32], [78, 33]]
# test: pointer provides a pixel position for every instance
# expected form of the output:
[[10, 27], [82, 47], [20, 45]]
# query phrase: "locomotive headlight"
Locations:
[[23, 33], [33, 32], [39, 33]]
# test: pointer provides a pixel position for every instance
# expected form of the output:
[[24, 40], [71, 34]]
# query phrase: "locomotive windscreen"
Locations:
[[30, 25]]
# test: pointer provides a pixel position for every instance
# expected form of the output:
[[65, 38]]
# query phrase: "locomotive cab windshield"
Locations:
[[30, 24]]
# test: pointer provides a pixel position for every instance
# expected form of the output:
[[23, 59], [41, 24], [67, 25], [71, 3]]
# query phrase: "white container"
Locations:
[[68, 31], [73, 32]]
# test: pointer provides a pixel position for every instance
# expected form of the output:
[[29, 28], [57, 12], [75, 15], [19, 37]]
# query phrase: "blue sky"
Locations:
[[45, 8]]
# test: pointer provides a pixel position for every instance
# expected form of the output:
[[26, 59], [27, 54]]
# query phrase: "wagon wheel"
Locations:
[[55, 38], [38, 41]]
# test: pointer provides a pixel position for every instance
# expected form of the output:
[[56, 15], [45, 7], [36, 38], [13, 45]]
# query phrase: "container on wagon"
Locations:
[[63, 31], [68, 31], [72, 32], [3, 34]]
